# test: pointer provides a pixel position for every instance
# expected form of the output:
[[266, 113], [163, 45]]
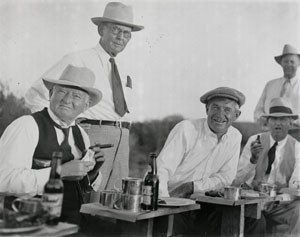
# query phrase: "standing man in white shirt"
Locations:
[[27, 144], [287, 86], [274, 158], [202, 154], [107, 122]]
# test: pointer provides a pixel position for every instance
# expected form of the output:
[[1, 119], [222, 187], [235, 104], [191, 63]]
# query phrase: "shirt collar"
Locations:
[[103, 54], [280, 143], [293, 80], [57, 120]]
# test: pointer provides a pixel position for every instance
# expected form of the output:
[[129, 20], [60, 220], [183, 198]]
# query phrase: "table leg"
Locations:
[[170, 225], [149, 227], [233, 221]]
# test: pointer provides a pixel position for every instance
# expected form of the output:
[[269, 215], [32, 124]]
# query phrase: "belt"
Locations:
[[118, 124]]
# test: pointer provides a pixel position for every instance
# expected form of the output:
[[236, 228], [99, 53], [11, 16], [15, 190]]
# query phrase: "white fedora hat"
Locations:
[[119, 13], [287, 49], [279, 107], [78, 77]]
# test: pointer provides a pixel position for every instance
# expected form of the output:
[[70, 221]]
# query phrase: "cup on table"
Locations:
[[27, 205], [130, 203], [269, 189], [132, 186], [232, 193], [109, 197]]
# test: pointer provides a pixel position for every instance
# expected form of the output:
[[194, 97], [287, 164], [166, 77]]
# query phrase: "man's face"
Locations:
[[114, 38], [67, 103], [279, 127], [221, 113], [289, 64]]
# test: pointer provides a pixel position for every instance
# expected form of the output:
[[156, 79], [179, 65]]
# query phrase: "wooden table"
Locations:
[[234, 212], [144, 217], [62, 229]]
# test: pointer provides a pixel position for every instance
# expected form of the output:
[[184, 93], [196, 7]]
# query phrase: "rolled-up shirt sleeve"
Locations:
[[17, 145], [295, 178]]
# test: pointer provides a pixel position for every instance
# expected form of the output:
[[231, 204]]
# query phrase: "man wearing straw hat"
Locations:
[[27, 144], [273, 157], [287, 87], [108, 122]]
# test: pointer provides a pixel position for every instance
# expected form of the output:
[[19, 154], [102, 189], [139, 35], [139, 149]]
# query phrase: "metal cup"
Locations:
[[109, 197], [264, 188], [132, 186], [231, 192], [130, 203], [2, 219], [27, 205]]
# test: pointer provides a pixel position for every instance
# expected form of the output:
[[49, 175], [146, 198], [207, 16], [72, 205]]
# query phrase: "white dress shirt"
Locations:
[[272, 90], [246, 170], [192, 153], [97, 60], [17, 146]]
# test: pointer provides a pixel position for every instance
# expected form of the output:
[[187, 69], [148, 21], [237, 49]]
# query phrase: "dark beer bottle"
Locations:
[[151, 185], [53, 190]]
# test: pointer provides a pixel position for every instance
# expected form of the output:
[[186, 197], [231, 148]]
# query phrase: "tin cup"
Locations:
[[269, 189], [231, 192], [132, 186], [27, 205], [2, 219], [130, 203], [109, 197]]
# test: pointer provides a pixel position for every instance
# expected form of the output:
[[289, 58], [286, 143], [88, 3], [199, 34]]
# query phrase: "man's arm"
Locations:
[[260, 107], [17, 146], [246, 168], [170, 157], [226, 173], [296, 174]]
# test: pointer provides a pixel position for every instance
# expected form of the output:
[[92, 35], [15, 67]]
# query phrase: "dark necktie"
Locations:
[[118, 94], [65, 146], [271, 157]]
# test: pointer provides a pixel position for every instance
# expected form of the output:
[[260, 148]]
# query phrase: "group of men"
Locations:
[[84, 99]]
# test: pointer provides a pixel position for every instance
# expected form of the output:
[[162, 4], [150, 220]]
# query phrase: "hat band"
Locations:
[[280, 109]]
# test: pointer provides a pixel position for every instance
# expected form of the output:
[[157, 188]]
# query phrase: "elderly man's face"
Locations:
[[279, 127], [114, 37], [221, 113], [67, 103], [289, 64]]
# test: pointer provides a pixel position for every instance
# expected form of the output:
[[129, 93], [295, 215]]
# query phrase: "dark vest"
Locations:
[[73, 190]]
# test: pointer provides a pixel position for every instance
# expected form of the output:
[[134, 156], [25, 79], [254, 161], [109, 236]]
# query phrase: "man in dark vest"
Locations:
[[273, 157], [27, 144]]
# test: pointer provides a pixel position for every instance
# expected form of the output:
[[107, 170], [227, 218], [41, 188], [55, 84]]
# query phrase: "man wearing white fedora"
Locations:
[[273, 158], [27, 144], [287, 86], [108, 122]]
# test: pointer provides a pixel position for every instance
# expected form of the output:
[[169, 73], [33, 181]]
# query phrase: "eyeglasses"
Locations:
[[117, 30]]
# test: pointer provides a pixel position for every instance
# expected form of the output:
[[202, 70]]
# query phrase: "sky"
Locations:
[[187, 47]]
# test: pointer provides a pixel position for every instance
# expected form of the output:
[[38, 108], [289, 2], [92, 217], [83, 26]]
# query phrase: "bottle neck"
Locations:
[[55, 168], [153, 166]]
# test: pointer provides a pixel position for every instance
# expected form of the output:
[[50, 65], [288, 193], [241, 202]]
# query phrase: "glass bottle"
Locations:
[[151, 186], [53, 190]]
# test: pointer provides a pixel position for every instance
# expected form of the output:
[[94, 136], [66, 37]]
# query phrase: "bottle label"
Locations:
[[53, 203], [147, 193]]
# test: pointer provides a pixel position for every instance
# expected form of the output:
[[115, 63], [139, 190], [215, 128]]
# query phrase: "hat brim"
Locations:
[[95, 94], [293, 116], [204, 99], [99, 20], [278, 58]]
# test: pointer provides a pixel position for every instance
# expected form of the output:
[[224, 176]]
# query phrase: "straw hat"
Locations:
[[287, 49], [78, 77], [118, 13], [226, 92], [279, 107]]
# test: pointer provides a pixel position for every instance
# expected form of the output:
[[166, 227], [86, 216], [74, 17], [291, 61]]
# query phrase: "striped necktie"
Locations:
[[118, 94]]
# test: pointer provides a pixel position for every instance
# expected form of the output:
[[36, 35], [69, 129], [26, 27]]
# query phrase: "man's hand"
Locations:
[[75, 168], [256, 149], [183, 191], [99, 158]]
